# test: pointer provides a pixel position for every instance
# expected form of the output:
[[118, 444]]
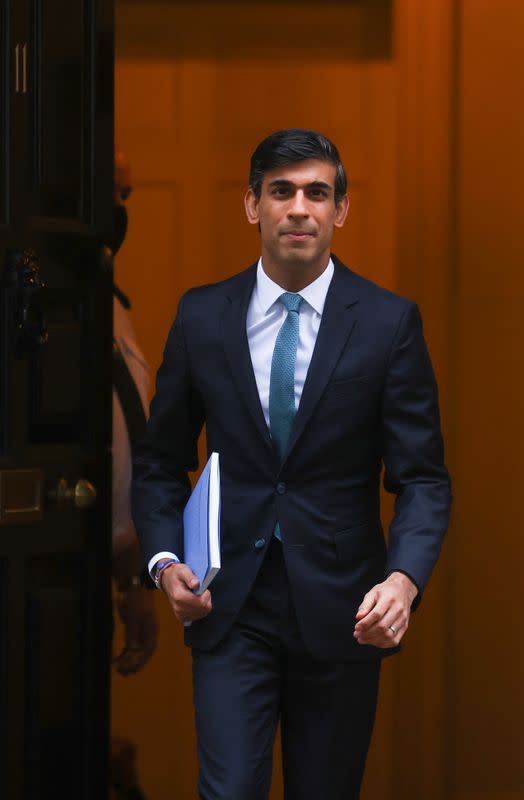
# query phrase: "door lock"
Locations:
[[81, 495]]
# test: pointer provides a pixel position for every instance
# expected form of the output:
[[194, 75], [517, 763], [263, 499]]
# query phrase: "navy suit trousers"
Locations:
[[260, 674]]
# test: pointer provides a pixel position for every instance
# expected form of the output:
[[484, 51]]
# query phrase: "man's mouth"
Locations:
[[298, 236]]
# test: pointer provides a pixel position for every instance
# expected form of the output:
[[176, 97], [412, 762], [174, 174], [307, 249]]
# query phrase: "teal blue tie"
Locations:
[[282, 382]]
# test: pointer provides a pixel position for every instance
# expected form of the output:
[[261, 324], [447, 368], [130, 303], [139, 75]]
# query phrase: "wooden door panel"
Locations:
[[59, 408], [5, 94], [55, 617], [14, 26], [56, 190], [54, 677], [3, 671], [60, 80], [5, 376]]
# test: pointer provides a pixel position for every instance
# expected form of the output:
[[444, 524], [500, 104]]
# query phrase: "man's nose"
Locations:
[[298, 206]]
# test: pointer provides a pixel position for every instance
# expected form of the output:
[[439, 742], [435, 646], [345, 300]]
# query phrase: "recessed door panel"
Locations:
[[58, 406], [55, 676], [61, 133]]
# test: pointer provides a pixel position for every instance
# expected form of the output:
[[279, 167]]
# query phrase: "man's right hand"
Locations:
[[178, 582]]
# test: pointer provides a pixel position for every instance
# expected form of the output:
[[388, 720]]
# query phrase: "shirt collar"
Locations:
[[315, 293]]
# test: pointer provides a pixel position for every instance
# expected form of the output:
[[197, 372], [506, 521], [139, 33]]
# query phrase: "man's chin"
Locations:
[[299, 257], [298, 248]]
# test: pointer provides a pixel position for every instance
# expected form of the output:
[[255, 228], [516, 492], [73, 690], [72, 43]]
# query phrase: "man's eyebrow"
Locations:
[[320, 185], [311, 185]]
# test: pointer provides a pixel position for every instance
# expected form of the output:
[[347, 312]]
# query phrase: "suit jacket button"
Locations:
[[281, 488], [260, 543]]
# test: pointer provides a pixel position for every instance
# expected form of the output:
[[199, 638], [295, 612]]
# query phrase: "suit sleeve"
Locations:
[[414, 468], [161, 485]]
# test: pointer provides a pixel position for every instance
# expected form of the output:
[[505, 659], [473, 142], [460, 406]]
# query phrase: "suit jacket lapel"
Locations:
[[338, 320], [236, 347]]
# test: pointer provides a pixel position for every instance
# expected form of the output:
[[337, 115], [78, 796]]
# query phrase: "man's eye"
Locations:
[[318, 193]]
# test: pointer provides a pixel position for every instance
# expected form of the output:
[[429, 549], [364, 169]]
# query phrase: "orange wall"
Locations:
[[488, 546]]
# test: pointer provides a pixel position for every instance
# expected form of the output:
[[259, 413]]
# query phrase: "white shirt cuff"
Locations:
[[158, 557]]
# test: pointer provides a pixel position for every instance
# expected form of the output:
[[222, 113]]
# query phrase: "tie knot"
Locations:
[[291, 301]]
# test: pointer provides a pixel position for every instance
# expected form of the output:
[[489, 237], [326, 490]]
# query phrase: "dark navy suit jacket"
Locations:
[[369, 409]]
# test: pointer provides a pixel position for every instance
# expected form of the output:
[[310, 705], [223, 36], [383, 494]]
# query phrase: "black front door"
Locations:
[[56, 121]]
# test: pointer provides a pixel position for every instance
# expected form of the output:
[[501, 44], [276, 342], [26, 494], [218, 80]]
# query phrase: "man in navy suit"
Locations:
[[309, 597]]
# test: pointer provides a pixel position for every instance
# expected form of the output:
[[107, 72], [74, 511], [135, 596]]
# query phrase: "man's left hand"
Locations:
[[383, 616]]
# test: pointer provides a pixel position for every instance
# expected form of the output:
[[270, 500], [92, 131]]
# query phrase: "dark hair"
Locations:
[[289, 146]]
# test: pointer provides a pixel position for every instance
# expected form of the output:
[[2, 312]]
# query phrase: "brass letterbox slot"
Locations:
[[21, 496]]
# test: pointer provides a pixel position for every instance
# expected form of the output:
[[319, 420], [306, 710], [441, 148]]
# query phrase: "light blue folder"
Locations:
[[202, 525]]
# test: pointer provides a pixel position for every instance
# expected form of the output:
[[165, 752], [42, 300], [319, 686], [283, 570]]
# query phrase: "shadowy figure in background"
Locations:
[[130, 387]]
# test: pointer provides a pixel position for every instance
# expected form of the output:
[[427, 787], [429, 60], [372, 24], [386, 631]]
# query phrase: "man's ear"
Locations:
[[251, 205], [341, 211]]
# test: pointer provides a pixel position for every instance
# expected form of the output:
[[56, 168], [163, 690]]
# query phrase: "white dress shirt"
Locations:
[[265, 316]]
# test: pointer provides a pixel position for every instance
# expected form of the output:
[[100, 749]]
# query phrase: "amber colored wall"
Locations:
[[426, 103], [459, 702], [488, 546]]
